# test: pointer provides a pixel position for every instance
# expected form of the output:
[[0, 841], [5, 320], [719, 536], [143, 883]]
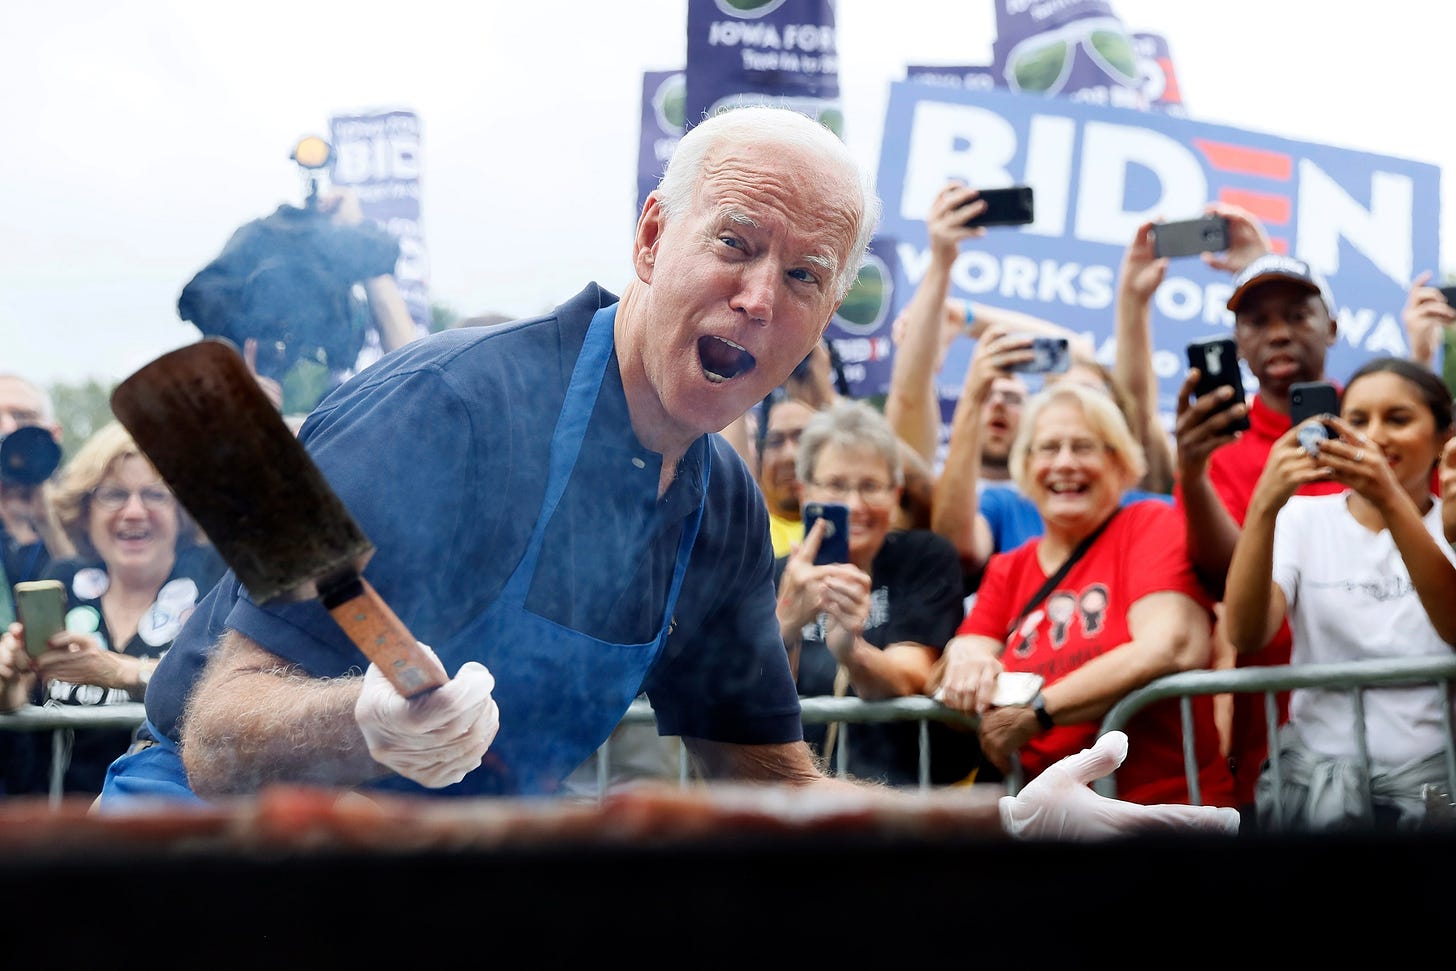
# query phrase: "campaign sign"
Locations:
[[780, 52], [1159, 80], [377, 155], [663, 95], [1368, 222], [860, 330]]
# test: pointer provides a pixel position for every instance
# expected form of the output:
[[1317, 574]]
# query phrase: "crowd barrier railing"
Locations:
[[58, 719], [1271, 680], [824, 710], [1354, 676]]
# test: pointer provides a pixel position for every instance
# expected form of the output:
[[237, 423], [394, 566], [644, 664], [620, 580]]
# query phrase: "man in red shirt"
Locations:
[[1284, 324]]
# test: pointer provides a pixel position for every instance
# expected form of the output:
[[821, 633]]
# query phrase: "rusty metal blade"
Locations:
[[199, 415], [234, 464]]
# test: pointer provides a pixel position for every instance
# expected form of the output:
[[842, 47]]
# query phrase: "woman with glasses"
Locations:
[[1101, 603], [874, 626], [142, 566]]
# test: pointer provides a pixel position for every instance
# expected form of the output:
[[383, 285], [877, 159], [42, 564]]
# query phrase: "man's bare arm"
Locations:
[[912, 404], [254, 719], [390, 312], [1200, 428], [790, 763], [1139, 277], [972, 810]]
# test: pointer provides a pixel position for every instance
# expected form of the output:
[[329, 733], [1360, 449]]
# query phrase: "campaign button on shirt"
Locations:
[[90, 583]]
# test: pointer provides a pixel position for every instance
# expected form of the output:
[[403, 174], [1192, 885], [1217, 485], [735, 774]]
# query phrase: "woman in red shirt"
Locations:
[[1126, 611]]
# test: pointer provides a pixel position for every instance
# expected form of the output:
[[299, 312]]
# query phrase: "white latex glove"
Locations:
[[434, 738], [1059, 805]]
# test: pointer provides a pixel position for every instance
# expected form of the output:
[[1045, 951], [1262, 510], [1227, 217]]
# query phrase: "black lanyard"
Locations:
[[1051, 582]]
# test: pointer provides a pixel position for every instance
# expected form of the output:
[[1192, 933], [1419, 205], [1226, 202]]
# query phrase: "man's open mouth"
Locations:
[[723, 360]]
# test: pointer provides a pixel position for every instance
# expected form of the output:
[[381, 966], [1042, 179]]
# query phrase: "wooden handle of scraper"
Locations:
[[384, 639]]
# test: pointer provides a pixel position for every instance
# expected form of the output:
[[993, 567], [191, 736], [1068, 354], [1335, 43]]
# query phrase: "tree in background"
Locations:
[[442, 317], [81, 409]]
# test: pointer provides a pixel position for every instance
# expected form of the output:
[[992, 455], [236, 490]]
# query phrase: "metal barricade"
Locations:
[[59, 720], [1352, 675], [823, 710], [1271, 680]]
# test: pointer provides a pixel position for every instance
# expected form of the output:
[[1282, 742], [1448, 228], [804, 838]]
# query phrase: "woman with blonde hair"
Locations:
[[1100, 604], [141, 567]]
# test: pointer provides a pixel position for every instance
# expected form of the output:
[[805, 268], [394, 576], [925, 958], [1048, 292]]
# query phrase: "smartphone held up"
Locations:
[[40, 605], [1011, 206], [1050, 355], [834, 545], [1309, 399], [1189, 237], [1217, 361]]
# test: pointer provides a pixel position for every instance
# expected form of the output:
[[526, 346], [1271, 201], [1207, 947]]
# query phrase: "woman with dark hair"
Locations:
[[142, 566], [1363, 573]]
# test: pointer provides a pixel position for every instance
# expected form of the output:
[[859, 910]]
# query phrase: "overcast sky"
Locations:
[[141, 134]]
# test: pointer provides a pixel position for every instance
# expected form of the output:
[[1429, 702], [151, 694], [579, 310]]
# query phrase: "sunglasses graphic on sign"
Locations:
[[1042, 63]]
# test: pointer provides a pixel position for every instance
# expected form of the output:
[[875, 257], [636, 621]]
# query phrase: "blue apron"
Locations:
[[560, 692]]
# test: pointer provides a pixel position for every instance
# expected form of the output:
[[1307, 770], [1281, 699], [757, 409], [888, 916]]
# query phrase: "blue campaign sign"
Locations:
[[663, 94], [1368, 222]]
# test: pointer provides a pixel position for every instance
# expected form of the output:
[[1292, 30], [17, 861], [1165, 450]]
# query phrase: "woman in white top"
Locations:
[[1366, 573]]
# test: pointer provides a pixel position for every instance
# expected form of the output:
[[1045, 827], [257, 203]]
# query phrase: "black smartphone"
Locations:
[[41, 606], [1189, 237], [1051, 355], [1011, 206], [1450, 294], [1217, 361], [834, 547], [1308, 399]]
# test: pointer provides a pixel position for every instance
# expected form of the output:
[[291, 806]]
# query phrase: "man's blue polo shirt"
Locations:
[[440, 453]]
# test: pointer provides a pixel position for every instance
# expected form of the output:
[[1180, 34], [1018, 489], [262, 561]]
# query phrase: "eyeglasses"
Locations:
[[871, 493], [112, 498], [780, 439], [1011, 399], [1042, 63], [1082, 448]]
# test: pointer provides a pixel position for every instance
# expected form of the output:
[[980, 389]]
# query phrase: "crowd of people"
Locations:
[[611, 499], [1029, 476]]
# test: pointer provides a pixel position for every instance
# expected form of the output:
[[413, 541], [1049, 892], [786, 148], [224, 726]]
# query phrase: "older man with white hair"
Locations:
[[554, 516]]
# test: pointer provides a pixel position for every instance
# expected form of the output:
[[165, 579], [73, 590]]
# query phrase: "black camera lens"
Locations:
[[28, 456]]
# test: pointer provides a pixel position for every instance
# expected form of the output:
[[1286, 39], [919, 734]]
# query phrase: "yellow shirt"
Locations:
[[784, 533]]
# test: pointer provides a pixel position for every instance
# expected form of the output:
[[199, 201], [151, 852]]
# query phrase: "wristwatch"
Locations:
[[1038, 708], [144, 673]]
